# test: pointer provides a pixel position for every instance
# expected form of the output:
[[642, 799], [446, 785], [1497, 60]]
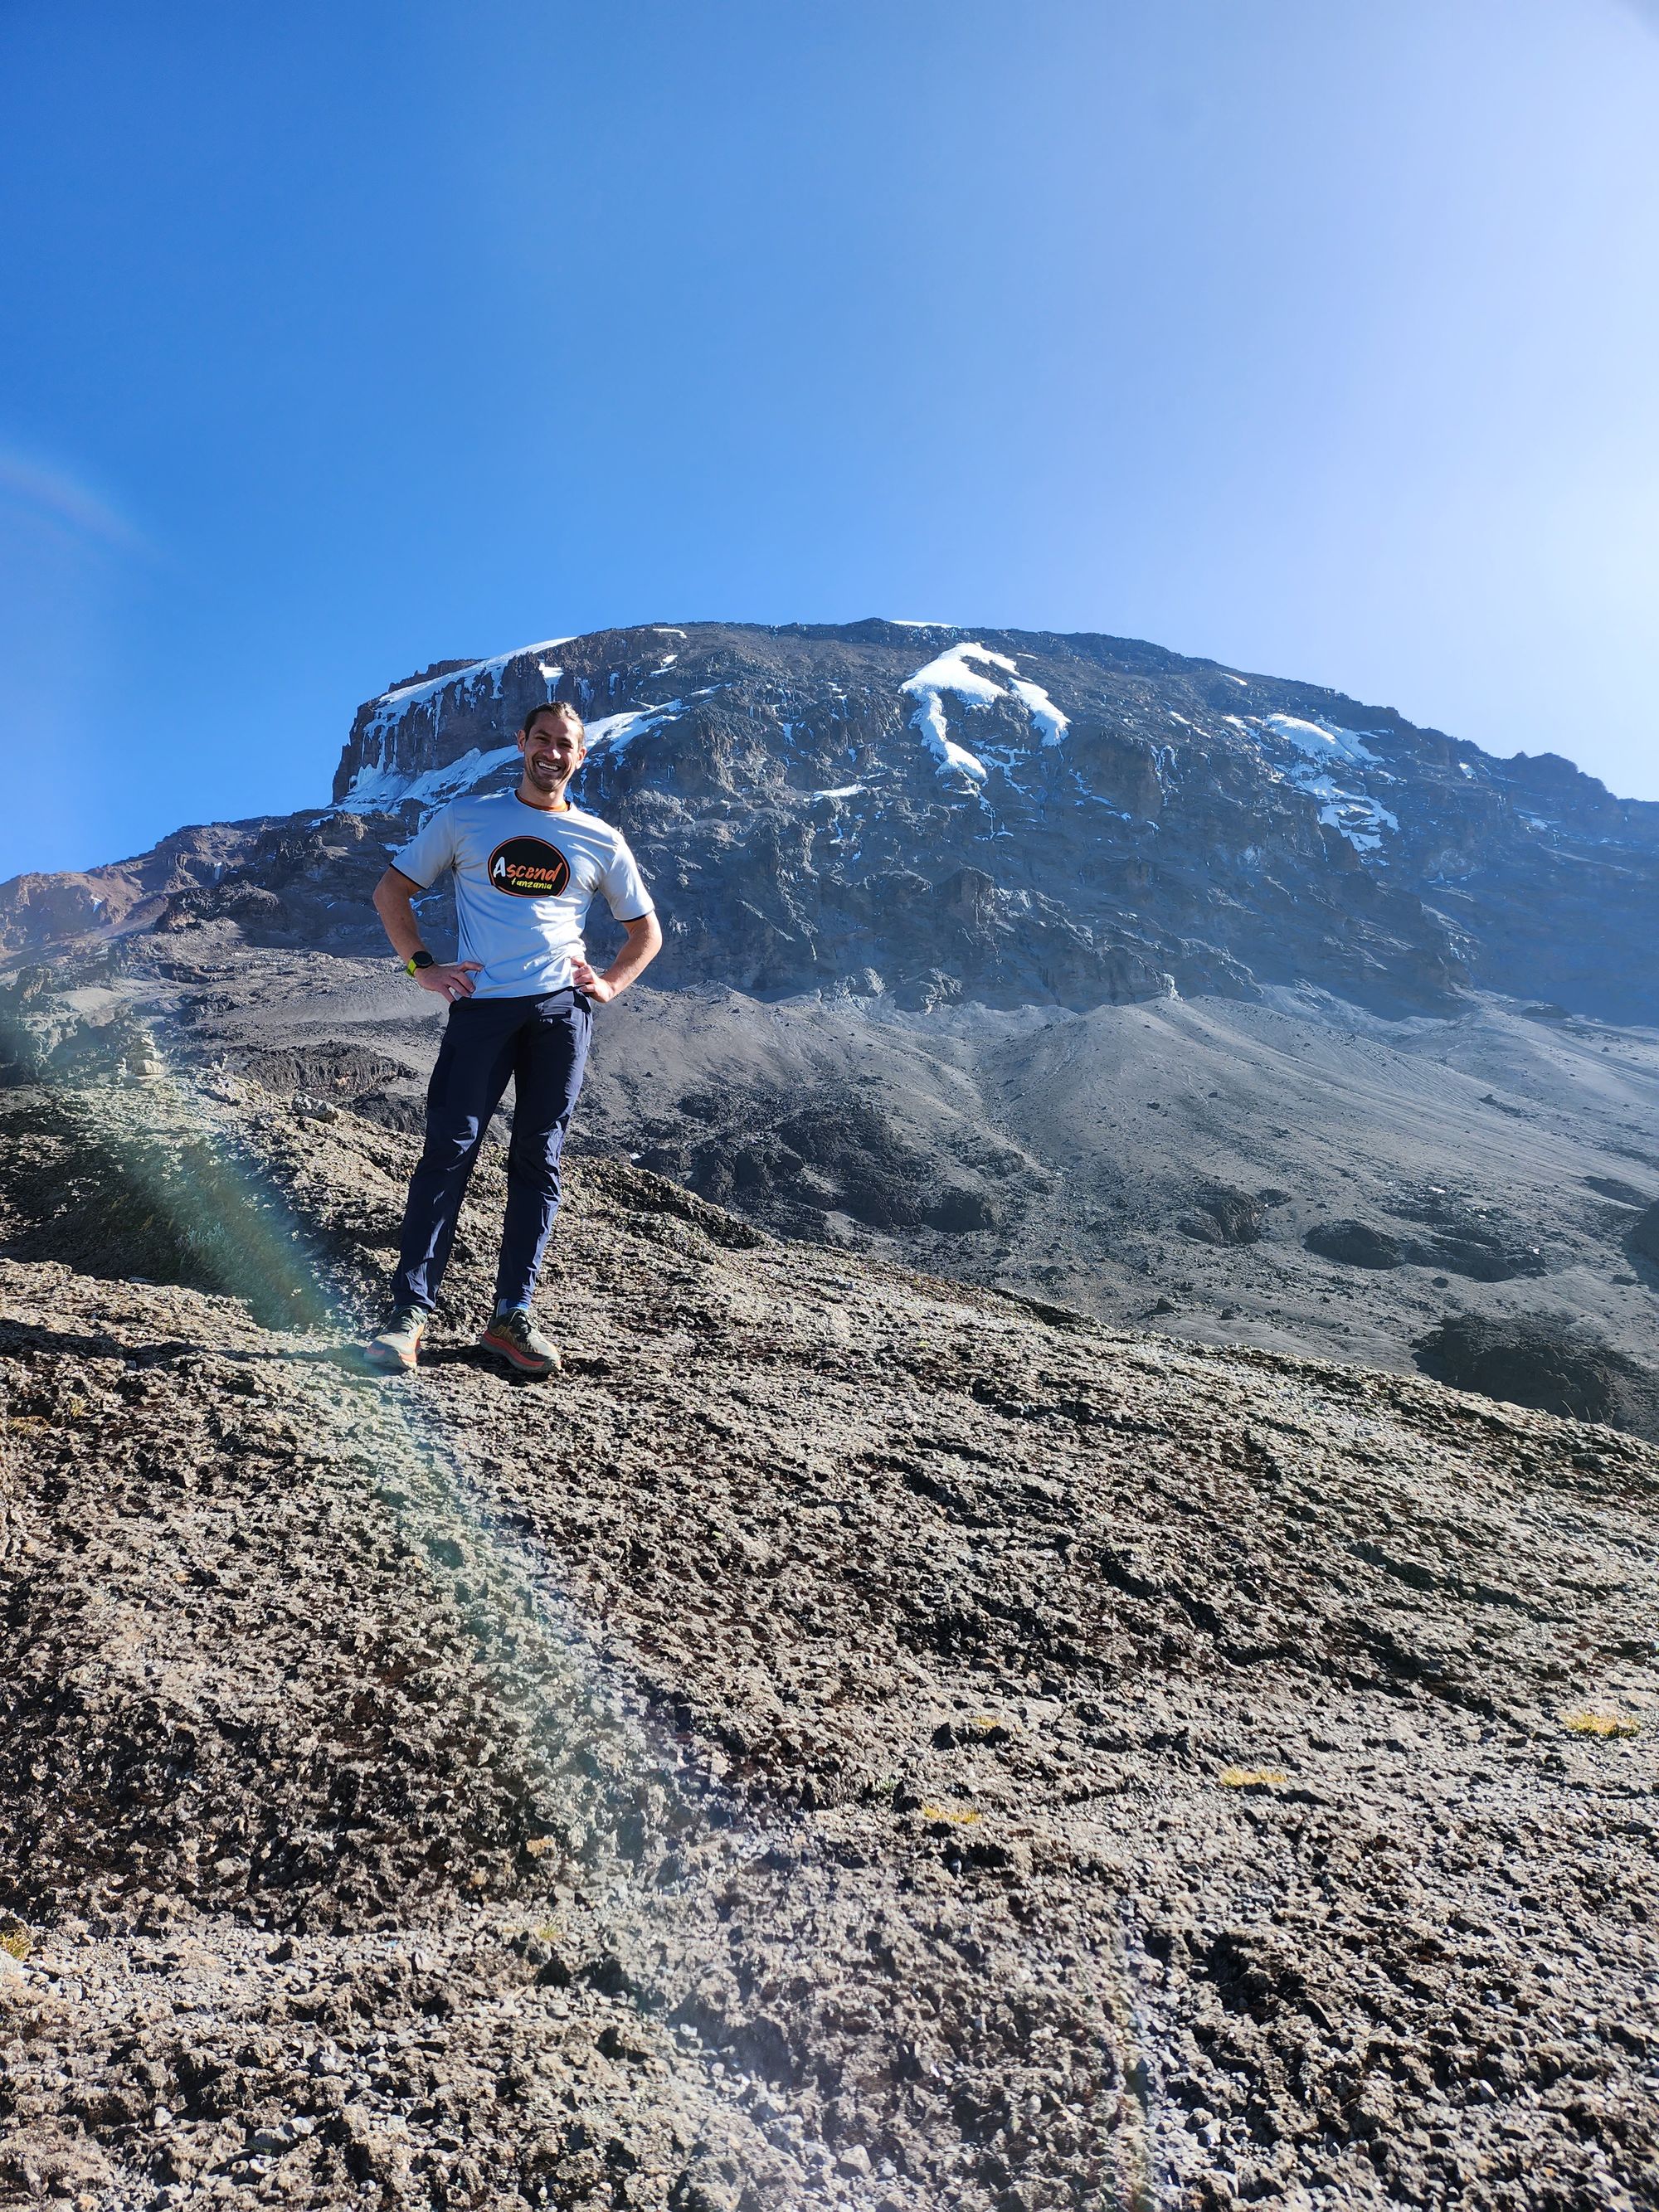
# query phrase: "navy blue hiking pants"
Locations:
[[542, 1044]]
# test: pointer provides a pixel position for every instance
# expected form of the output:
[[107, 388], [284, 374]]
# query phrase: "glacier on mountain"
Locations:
[[950, 672]]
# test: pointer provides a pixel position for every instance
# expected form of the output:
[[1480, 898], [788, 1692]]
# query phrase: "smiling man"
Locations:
[[521, 997]]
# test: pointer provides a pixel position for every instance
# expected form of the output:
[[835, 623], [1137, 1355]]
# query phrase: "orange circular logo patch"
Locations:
[[528, 868]]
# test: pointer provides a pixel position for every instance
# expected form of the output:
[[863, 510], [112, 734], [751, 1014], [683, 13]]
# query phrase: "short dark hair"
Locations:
[[554, 706]]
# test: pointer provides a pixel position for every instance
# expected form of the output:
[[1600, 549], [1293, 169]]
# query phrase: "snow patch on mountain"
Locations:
[[1041, 708], [1319, 741], [1320, 748], [950, 673], [1357, 816], [391, 706], [382, 790], [618, 732]]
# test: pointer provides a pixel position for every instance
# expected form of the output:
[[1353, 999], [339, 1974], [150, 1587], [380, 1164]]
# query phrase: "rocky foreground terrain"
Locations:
[[853, 1740]]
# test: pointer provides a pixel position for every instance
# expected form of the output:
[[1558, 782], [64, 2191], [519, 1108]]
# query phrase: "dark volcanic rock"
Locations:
[[1479, 1253], [322, 1068], [1644, 1235], [1483, 1257], [874, 1176], [1469, 1238], [1546, 1363], [838, 1156], [1223, 1216], [1012, 816], [1355, 1244], [1615, 1188]]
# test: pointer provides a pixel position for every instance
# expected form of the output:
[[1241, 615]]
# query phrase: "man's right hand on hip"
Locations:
[[453, 983]]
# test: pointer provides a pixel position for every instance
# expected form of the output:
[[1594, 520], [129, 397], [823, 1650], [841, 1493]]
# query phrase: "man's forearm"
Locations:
[[397, 911], [644, 943]]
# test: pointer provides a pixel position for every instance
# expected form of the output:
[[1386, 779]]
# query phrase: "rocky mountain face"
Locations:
[[932, 814]]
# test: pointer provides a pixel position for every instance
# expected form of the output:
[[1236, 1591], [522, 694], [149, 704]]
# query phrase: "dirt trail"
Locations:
[[852, 1739]]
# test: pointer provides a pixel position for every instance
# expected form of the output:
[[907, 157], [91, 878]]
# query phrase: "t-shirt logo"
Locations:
[[528, 868]]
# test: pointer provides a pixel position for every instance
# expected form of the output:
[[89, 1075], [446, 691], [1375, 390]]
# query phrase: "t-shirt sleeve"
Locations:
[[430, 851], [624, 887]]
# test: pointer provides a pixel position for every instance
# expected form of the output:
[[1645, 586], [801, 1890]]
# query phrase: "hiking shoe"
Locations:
[[515, 1338], [399, 1343]]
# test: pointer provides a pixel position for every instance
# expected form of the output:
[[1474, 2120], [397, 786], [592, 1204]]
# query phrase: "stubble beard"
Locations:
[[549, 781]]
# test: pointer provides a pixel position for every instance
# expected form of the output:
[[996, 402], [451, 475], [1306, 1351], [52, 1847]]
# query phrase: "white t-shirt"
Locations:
[[525, 876]]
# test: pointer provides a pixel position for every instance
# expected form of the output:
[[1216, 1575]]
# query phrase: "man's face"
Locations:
[[552, 751]]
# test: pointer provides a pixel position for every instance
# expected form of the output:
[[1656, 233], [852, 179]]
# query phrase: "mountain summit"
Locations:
[[930, 814], [1020, 817]]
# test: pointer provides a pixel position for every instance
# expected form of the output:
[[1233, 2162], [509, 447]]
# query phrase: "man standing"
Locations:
[[520, 996]]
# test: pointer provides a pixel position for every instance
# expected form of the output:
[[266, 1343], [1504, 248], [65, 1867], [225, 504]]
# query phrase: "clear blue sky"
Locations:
[[1322, 339]]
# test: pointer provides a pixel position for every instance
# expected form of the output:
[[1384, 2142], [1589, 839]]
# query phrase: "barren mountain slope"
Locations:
[[1292, 1174], [854, 1739]]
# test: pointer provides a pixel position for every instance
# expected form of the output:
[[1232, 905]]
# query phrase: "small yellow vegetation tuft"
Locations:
[[1251, 1777], [1593, 1723], [962, 1814]]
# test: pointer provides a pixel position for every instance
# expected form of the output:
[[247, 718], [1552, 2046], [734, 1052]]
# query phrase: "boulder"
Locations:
[[1222, 1215], [1354, 1244], [1547, 1364]]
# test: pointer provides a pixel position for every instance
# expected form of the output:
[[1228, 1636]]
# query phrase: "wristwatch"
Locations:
[[418, 960]]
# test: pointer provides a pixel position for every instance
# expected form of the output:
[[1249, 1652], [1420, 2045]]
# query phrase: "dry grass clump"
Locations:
[[1601, 1724]]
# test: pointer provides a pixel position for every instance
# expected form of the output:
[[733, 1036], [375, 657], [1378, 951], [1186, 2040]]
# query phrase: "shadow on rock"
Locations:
[[1545, 1364]]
